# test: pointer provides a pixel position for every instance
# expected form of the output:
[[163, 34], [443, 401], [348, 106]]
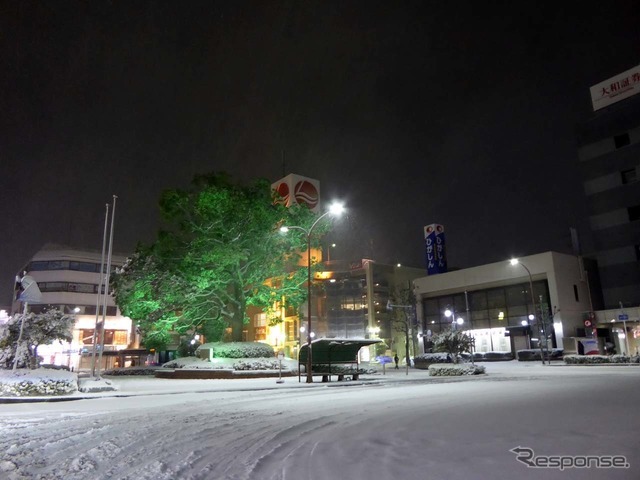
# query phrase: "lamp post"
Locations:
[[333, 245], [449, 312], [515, 261], [335, 209]]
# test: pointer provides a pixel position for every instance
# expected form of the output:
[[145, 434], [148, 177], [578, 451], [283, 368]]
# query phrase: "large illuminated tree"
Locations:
[[220, 252]]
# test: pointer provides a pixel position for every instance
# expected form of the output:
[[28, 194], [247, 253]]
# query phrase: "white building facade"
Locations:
[[68, 279], [494, 303]]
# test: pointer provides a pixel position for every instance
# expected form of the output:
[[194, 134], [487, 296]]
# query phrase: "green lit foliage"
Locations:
[[220, 251]]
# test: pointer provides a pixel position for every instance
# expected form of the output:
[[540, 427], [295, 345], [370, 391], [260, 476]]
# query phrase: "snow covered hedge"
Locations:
[[243, 364], [423, 361], [39, 382], [599, 359], [130, 371], [195, 362], [452, 370], [532, 354], [235, 350]]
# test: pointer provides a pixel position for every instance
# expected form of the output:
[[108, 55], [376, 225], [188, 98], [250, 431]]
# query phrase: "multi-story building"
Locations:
[[494, 302], [609, 159], [68, 279], [349, 300]]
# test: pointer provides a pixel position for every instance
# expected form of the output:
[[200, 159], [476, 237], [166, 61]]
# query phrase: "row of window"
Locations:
[[69, 287], [74, 309], [503, 306], [111, 337], [66, 265]]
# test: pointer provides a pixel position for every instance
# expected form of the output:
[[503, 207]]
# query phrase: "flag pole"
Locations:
[[95, 329], [106, 285]]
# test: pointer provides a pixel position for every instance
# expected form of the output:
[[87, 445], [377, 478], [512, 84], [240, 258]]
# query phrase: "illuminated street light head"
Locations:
[[514, 261], [460, 321], [336, 209], [448, 313], [284, 229]]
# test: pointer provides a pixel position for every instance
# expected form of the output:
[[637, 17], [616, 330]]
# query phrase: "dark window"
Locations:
[[84, 267], [634, 213], [575, 293], [629, 176], [622, 140], [38, 266]]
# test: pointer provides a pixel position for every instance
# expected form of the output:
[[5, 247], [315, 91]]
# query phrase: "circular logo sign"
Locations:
[[283, 191], [587, 323], [306, 193]]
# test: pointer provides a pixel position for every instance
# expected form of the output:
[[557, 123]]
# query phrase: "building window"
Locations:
[[629, 176], [622, 140], [111, 337], [84, 267], [575, 293], [634, 213]]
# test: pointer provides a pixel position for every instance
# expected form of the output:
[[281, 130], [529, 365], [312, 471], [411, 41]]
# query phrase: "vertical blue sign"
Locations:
[[435, 249], [441, 250]]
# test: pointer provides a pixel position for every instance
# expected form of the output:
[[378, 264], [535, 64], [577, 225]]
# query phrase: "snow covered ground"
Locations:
[[383, 428]]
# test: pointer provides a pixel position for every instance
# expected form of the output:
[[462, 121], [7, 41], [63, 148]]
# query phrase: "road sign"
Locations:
[[624, 316]]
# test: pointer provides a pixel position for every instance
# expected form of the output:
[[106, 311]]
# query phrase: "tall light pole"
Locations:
[[515, 261], [335, 209], [449, 312]]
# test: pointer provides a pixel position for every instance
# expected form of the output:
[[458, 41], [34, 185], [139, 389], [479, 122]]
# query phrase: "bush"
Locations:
[[235, 350], [130, 371], [455, 370], [454, 342], [600, 359], [37, 383], [534, 354], [258, 364], [424, 360], [194, 362]]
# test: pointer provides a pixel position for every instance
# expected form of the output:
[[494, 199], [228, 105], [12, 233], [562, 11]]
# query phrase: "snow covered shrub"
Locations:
[[339, 369], [455, 370], [423, 360], [130, 371], [235, 350], [620, 358], [38, 382], [586, 359], [534, 354], [453, 342], [194, 362], [258, 364], [497, 356]]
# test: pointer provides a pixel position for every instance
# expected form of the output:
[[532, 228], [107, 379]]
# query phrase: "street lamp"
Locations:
[[515, 261], [449, 313], [335, 210], [333, 245]]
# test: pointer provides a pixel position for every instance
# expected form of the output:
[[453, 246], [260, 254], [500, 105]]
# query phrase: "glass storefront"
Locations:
[[487, 314]]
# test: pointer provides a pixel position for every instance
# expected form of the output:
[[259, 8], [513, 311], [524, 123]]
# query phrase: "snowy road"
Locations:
[[459, 430]]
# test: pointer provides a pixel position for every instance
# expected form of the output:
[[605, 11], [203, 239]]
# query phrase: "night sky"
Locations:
[[461, 113]]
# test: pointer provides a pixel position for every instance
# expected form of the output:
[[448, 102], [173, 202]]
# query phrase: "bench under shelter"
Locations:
[[333, 356]]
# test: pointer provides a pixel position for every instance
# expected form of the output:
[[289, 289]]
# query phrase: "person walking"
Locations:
[[396, 359]]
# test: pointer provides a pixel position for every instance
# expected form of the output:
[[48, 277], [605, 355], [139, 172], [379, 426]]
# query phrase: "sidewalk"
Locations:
[[129, 386]]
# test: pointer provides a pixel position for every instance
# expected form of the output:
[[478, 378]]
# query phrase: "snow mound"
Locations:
[[93, 385], [38, 382]]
